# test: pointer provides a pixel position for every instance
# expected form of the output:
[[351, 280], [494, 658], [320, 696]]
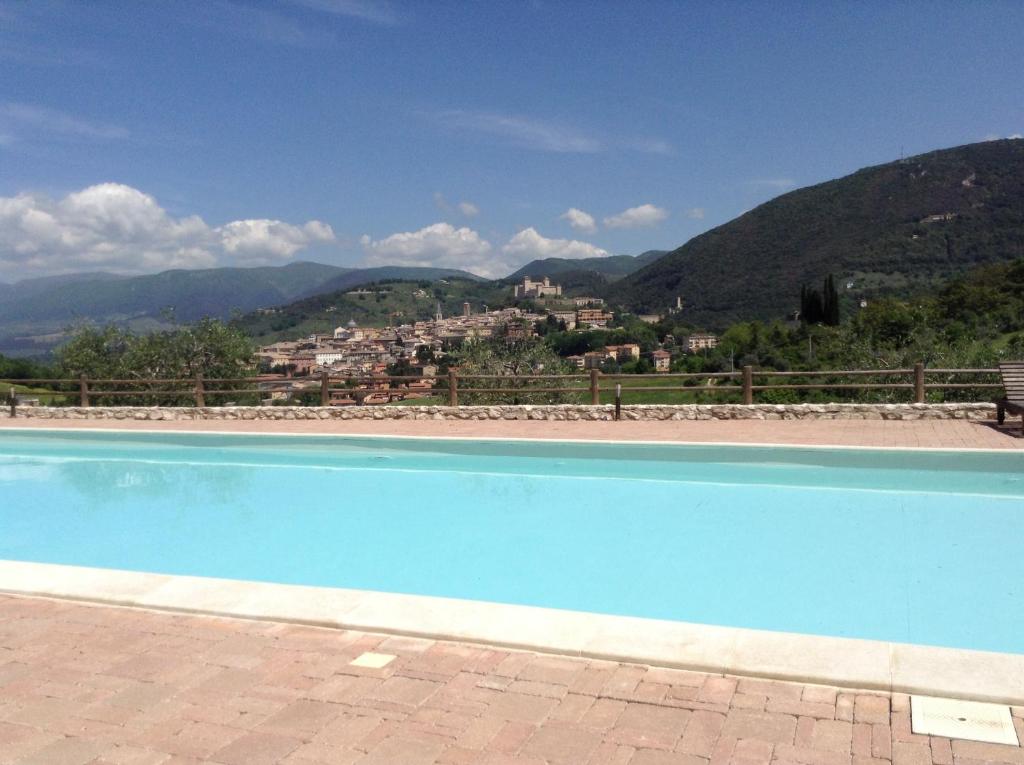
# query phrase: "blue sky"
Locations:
[[140, 136]]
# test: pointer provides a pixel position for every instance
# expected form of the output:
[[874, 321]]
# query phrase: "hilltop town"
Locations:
[[416, 350]]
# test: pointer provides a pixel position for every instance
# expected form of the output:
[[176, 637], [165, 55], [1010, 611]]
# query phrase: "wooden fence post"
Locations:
[[83, 390], [919, 383], [748, 385], [325, 389], [595, 387], [453, 388], [200, 391]]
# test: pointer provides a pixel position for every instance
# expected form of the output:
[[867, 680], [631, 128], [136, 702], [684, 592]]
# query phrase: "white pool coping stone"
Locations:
[[864, 664]]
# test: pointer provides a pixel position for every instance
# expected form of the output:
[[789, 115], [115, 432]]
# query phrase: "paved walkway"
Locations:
[[949, 434], [91, 684]]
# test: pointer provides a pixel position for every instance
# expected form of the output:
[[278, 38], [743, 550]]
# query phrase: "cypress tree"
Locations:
[[830, 302]]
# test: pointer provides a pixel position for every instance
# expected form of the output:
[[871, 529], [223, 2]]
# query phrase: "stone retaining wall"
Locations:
[[973, 411]]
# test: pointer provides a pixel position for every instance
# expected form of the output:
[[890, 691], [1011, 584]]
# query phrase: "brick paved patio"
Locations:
[[91, 684], [946, 434]]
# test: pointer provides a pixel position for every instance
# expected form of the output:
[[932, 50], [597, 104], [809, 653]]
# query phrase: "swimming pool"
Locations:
[[908, 546]]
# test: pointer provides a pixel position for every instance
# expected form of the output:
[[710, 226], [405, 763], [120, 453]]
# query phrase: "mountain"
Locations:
[[611, 266], [44, 307], [354, 278], [893, 229], [387, 301]]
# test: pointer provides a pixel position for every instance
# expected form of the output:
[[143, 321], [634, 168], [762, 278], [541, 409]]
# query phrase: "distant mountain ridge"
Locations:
[[611, 266], [890, 229], [45, 305]]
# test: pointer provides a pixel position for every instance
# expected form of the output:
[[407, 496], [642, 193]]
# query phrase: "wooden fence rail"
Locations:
[[747, 381]]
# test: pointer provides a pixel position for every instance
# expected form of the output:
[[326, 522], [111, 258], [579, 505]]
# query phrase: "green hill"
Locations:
[[893, 229], [612, 266], [355, 277], [378, 304], [34, 312]]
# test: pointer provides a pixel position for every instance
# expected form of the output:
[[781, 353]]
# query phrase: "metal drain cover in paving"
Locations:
[[953, 718], [372, 660]]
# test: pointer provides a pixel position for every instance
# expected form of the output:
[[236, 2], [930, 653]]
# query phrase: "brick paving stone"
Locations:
[[650, 693], [805, 708], [480, 732], [881, 741], [774, 689], [871, 709], [900, 724], [717, 690], [765, 726], [406, 751], [552, 669], [942, 751], [911, 754], [675, 677], [623, 681], [561, 744], [511, 737], [257, 749], [521, 708], [591, 681], [513, 664], [702, 732], [66, 751], [536, 688], [132, 755], [844, 707], [752, 751], [610, 753], [749, 701], [572, 708], [603, 714], [977, 750], [300, 719], [658, 757], [649, 727], [404, 690], [861, 742], [188, 739], [832, 736], [804, 731], [820, 694], [722, 751], [810, 756]]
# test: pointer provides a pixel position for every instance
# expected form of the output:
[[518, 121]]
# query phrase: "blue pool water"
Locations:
[[921, 547]]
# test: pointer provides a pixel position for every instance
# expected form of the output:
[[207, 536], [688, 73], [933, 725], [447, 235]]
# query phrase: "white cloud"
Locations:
[[644, 215], [652, 146], [1015, 136], [438, 245], [524, 132], [543, 135], [694, 213], [116, 227], [367, 10], [263, 240], [21, 121], [528, 244], [469, 209], [579, 220], [441, 203]]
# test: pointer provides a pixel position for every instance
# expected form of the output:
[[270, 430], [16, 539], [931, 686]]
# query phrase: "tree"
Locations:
[[505, 360], [830, 303], [208, 347], [811, 308]]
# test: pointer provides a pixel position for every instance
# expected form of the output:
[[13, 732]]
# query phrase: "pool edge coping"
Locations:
[[794, 657]]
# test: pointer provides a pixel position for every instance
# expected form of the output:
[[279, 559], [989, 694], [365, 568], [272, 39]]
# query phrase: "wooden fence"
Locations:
[[746, 382]]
